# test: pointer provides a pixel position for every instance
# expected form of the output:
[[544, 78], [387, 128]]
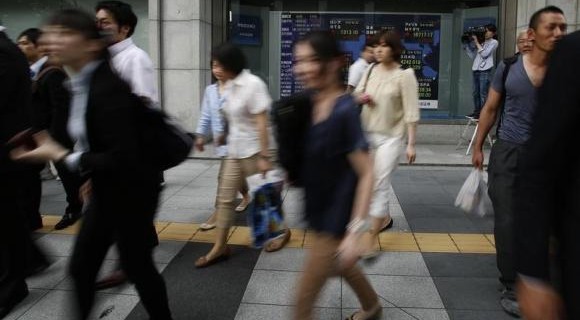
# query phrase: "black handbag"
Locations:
[[292, 117]]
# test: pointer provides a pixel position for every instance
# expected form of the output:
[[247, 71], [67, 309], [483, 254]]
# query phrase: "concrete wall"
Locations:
[[526, 8], [181, 32]]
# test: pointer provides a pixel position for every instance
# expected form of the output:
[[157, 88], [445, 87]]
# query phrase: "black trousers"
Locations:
[[71, 183], [503, 168], [125, 220], [15, 241], [30, 195]]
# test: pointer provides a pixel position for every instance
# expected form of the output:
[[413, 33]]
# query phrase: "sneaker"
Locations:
[[68, 219], [509, 303]]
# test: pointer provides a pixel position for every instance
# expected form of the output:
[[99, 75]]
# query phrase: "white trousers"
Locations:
[[386, 151]]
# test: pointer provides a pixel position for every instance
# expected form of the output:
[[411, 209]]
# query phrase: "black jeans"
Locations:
[[126, 221], [503, 172]]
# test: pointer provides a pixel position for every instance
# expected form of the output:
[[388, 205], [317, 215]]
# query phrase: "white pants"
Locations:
[[386, 151]]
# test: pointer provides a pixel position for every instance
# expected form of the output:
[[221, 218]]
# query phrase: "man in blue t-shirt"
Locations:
[[525, 75]]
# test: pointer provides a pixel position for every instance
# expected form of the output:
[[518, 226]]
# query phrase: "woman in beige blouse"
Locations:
[[390, 111]]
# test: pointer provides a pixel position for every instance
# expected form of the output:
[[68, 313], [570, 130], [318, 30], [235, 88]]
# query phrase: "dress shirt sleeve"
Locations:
[[355, 74], [410, 96], [205, 121], [260, 100], [142, 77], [487, 49]]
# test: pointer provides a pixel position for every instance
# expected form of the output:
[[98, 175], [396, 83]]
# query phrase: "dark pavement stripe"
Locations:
[[211, 293]]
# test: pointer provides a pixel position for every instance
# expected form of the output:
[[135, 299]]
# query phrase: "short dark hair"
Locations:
[[491, 27], [393, 40], [77, 20], [535, 19], [230, 57], [32, 34], [122, 13], [370, 42]]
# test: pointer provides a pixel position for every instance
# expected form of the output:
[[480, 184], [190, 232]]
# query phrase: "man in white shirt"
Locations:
[[134, 66], [129, 61], [358, 68], [482, 55]]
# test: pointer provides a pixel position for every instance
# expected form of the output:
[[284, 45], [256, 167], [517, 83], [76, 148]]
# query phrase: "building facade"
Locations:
[[179, 34]]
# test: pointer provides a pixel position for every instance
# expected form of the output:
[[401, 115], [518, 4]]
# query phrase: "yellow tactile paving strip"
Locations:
[[388, 241]]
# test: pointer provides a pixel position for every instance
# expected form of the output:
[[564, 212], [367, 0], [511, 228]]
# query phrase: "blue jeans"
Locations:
[[481, 81]]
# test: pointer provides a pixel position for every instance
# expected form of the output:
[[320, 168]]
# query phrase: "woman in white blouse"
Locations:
[[390, 111], [246, 107]]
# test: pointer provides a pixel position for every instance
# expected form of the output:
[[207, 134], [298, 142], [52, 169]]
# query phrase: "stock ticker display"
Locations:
[[420, 34]]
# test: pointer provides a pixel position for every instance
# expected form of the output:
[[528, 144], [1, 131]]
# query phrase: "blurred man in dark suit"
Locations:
[[50, 100], [548, 199], [14, 117]]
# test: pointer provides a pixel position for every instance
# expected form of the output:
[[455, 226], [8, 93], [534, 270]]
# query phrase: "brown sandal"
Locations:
[[275, 244], [375, 316], [203, 261], [243, 205]]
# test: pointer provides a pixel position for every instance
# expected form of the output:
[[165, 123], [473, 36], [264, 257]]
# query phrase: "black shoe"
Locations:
[[509, 303], [15, 299], [473, 115], [68, 219]]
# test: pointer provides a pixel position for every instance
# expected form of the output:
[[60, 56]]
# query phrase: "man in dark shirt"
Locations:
[[518, 93]]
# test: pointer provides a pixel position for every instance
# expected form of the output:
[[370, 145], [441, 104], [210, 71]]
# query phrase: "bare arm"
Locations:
[[262, 124], [486, 120], [487, 117], [264, 164], [411, 135]]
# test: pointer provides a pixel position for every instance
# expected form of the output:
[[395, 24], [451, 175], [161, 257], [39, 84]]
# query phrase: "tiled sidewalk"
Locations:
[[388, 241], [437, 263]]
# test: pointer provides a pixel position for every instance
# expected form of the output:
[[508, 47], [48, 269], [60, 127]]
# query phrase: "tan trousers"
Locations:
[[321, 265], [243, 189], [233, 175]]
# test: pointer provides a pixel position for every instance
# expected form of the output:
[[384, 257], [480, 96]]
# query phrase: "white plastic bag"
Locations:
[[257, 180], [473, 194]]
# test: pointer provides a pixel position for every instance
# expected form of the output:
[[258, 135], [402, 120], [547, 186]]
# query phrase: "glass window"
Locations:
[[431, 31]]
